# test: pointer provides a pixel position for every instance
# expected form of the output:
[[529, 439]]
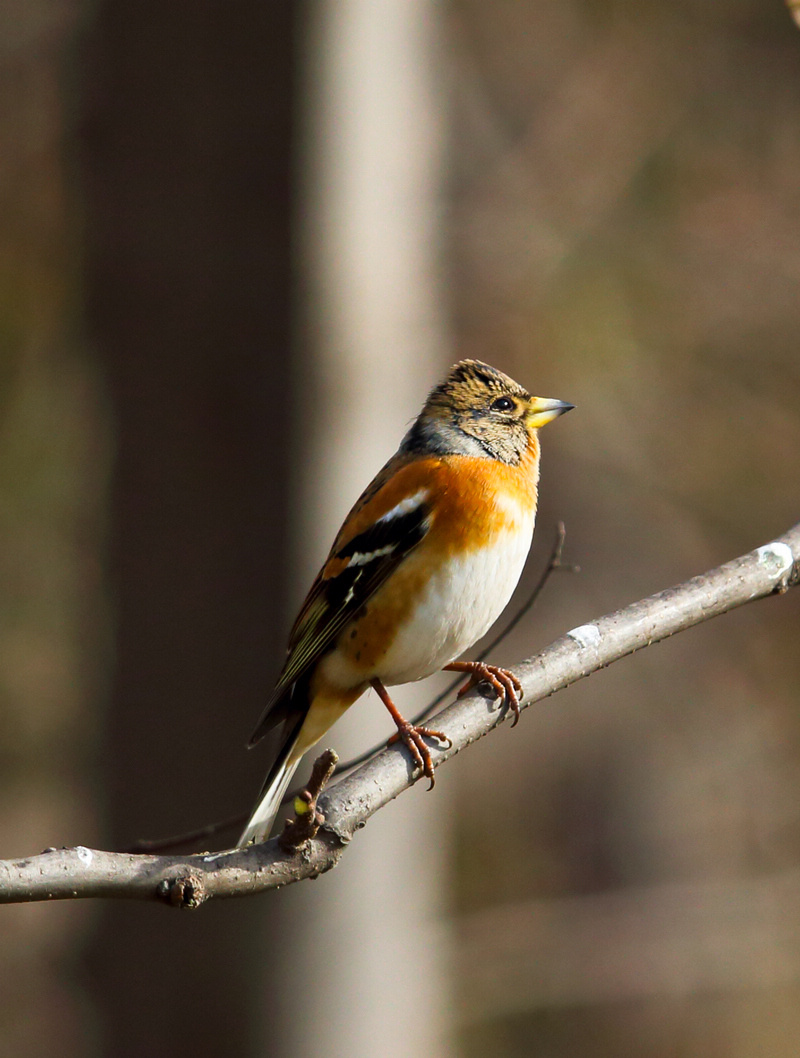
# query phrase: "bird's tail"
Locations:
[[274, 788]]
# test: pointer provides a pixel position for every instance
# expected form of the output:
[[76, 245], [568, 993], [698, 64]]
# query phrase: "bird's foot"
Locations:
[[412, 735], [504, 683]]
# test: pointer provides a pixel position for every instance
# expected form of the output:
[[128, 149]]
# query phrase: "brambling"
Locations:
[[422, 567]]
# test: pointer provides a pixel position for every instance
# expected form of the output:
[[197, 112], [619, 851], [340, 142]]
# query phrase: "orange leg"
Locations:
[[411, 735], [504, 683]]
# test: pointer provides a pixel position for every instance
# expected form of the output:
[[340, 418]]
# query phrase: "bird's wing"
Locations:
[[387, 523]]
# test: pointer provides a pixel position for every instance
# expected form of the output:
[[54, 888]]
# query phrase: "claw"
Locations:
[[412, 737], [504, 683]]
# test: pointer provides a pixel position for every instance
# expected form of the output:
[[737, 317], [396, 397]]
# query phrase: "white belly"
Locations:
[[457, 607]]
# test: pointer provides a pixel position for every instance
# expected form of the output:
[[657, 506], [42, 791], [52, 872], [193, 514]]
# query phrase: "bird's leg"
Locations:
[[504, 683], [411, 735]]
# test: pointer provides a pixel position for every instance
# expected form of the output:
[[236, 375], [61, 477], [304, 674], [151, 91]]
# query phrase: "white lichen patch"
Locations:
[[586, 635], [776, 557]]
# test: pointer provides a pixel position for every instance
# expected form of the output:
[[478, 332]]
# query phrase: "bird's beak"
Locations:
[[543, 410]]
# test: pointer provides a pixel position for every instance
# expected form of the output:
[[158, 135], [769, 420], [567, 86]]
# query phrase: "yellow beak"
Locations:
[[543, 410]]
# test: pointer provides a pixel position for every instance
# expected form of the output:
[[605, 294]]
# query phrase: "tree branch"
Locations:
[[188, 881]]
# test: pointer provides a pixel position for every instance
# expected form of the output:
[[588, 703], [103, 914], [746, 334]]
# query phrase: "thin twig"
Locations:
[[190, 837]]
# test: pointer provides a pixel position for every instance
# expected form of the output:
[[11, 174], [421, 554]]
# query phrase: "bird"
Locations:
[[422, 567]]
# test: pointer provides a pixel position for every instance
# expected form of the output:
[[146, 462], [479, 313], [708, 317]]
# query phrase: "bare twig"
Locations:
[[307, 820], [189, 837], [347, 806]]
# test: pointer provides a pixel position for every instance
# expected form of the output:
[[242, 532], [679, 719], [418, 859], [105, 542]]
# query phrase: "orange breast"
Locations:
[[472, 502]]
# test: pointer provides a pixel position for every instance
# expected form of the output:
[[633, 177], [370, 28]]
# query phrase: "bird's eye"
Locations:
[[503, 404]]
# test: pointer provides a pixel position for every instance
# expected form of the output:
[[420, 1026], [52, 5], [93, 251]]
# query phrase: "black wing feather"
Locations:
[[332, 602]]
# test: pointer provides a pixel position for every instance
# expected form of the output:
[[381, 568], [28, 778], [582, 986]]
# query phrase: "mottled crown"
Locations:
[[469, 386]]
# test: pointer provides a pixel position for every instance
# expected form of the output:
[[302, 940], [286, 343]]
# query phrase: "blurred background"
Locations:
[[238, 243]]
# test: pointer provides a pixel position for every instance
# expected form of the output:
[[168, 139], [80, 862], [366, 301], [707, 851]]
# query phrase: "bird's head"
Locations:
[[478, 410]]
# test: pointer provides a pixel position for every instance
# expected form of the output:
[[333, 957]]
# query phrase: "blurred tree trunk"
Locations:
[[365, 944], [186, 149]]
